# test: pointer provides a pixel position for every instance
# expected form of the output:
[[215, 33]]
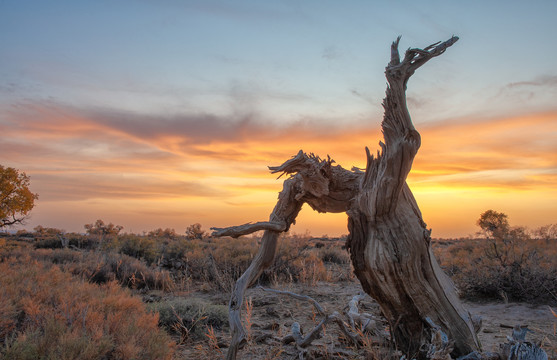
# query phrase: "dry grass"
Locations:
[[189, 317], [47, 313]]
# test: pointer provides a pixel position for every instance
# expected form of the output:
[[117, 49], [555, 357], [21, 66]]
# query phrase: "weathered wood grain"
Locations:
[[388, 240]]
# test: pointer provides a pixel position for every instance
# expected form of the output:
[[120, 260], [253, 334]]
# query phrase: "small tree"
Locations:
[[194, 232], [505, 243], [16, 200], [100, 229], [513, 264], [493, 224]]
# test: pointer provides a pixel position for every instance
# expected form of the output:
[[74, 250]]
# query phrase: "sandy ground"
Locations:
[[272, 315], [497, 317]]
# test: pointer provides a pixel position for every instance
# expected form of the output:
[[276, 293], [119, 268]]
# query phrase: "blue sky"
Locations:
[[285, 59], [206, 71]]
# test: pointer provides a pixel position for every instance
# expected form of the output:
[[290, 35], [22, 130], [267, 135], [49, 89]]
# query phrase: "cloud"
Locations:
[[108, 139], [543, 81], [79, 186], [367, 99], [78, 154], [207, 164], [502, 152], [330, 53], [528, 95]]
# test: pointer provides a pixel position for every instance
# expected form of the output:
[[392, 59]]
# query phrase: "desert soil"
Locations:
[[272, 315]]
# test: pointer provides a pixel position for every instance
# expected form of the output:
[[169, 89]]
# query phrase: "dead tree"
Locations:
[[388, 240]]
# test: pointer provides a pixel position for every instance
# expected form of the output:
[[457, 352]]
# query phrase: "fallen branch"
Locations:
[[298, 297], [364, 320], [354, 319], [517, 348], [440, 346]]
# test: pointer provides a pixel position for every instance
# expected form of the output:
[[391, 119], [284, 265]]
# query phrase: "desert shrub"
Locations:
[[175, 250], [228, 259], [81, 241], [48, 314], [57, 256], [9, 244], [128, 271], [216, 263], [159, 233], [48, 243], [334, 255], [506, 262], [163, 247], [219, 262], [289, 249], [190, 317], [528, 271], [98, 267], [47, 238], [309, 269], [139, 247], [298, 261]]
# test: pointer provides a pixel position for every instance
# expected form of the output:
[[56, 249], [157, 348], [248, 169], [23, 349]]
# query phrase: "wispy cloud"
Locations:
[[330, 53], [515, 152], [81, 155], [545, 81], [119, 140]]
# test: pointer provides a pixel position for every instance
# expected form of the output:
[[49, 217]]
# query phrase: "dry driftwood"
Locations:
[[517, 348], [388, 240], [354, 319]]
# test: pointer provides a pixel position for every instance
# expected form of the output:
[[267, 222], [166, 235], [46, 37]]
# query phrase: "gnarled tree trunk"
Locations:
[[388, 240]]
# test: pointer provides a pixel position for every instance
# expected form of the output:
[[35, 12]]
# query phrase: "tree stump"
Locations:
[[388, 240]]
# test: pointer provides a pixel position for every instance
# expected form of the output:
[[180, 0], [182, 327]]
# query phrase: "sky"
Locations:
[[161, 114]]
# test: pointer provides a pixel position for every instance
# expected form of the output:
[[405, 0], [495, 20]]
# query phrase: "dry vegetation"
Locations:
[[528, 275], [46, 313], [163, 295]]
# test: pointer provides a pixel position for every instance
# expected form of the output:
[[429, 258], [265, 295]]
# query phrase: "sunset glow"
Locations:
[[181, 130]]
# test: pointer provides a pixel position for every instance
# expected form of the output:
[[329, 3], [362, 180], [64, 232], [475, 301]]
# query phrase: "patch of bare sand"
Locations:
[[498, 317]]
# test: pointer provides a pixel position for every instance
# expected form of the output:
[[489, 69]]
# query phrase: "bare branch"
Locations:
[[239, 230], [353, 337], [364, 320], [261, 261], [298, 297], [414, 58], [305, 341], [395, 57], [12, 221]]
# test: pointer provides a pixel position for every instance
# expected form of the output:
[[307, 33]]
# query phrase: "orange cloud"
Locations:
[[135, 168]]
